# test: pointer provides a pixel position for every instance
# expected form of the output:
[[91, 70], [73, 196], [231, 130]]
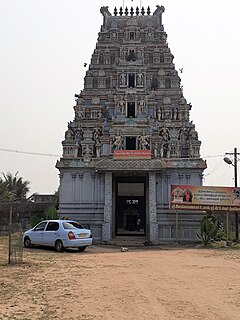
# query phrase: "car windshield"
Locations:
[[72, 225]]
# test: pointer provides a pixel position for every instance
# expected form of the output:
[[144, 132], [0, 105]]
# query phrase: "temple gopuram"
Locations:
[[131, 137]]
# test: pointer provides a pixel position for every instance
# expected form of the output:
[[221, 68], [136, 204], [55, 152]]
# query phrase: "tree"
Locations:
[[14, 186]]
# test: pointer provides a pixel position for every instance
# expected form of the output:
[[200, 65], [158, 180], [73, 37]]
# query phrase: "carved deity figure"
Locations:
[[164, 134], [79, 135], [166, 100], [161, 147], [175, 114], [159, 114], [69, 135], [141, 106], [98, 148], [155, 150], [121, 106], [184, 136], [123, 79], [96, 134], [118, 142], [191, 151], [87, 150], [167, 115], [140, 79], [193, 135], [182, 101], [144, 142]]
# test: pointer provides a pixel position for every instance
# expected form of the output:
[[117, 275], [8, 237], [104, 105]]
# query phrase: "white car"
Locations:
[[60, 234]]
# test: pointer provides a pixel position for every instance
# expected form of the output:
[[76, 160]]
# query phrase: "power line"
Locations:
[[57, 155], [216, 167], [32, 153], [223, 175]]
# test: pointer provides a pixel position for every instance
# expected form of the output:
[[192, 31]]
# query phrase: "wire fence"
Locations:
[[11, 245]]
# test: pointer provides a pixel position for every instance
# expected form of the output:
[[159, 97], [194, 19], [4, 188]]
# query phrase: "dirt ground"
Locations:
[[104, 283]]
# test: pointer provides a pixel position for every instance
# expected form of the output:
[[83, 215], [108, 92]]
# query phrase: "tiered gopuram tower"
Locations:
[[131, 137]]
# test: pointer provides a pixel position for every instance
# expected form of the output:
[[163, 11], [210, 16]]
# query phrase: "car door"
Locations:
[[51, 233], [37, 233]]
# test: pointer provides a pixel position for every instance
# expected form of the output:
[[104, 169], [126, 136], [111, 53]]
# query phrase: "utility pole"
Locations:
[[235, 154]]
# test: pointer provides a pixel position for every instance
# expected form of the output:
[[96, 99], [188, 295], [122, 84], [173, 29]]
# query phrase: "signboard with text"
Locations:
[[131, 154], [205, 198]]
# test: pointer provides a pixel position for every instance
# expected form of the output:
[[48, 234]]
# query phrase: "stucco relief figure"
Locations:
[[182, 101], [155, 150], [99, 114], [69, 135], [161, 147], [193, 135], [144, 142], [167, 115], [87, 150], [80, 114], [140, 79], [98, 148], [166, 100], [168, 150], [185, 114], [164, 134], [175, 114], [79, 135], [191, 151], [118, 142], [149, 35], [95, 100], [123, 79], [123, 53], [106, 14], [184, 136], [177, 148], [121, 106], [159, 114], [141, 106], [96, 134]]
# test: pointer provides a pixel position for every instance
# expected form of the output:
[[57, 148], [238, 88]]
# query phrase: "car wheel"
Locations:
[[27, 242], [59, 246], [81, 249]]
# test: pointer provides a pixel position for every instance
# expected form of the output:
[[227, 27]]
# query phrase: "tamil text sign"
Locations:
[[131, 154], [205, 198]]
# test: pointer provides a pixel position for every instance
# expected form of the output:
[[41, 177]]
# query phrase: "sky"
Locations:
[[44, 44]]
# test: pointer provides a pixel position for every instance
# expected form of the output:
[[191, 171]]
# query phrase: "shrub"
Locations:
[[208, 229]]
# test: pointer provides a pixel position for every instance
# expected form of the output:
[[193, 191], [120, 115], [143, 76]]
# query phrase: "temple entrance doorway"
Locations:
[[130, 209]]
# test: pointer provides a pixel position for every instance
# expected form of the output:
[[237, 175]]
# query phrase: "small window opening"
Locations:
[[131, 143], [131, 80], [132, 36], [131, 109]]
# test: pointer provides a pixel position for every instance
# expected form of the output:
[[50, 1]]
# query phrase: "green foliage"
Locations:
[[34, 220], [52, 213], [13, 188], [208, 229]]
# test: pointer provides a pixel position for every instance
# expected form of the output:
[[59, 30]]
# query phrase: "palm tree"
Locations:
[[13, 185]]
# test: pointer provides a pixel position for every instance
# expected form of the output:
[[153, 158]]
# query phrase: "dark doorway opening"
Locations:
[[131, 109], [131, 80], [130, 216], [131, 143]]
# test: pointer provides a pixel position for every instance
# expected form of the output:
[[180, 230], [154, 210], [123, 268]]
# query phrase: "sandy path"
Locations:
[[104, 283]]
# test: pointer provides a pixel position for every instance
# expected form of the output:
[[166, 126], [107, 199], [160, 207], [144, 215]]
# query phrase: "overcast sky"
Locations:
[[44, 44]]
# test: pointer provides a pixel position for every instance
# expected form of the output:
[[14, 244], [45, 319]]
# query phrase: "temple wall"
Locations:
[[84, 192]]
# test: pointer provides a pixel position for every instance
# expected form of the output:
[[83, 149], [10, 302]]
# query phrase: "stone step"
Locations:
[[125, 241]]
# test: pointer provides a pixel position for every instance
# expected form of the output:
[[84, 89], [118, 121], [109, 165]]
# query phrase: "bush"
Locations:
[[208, 229]]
